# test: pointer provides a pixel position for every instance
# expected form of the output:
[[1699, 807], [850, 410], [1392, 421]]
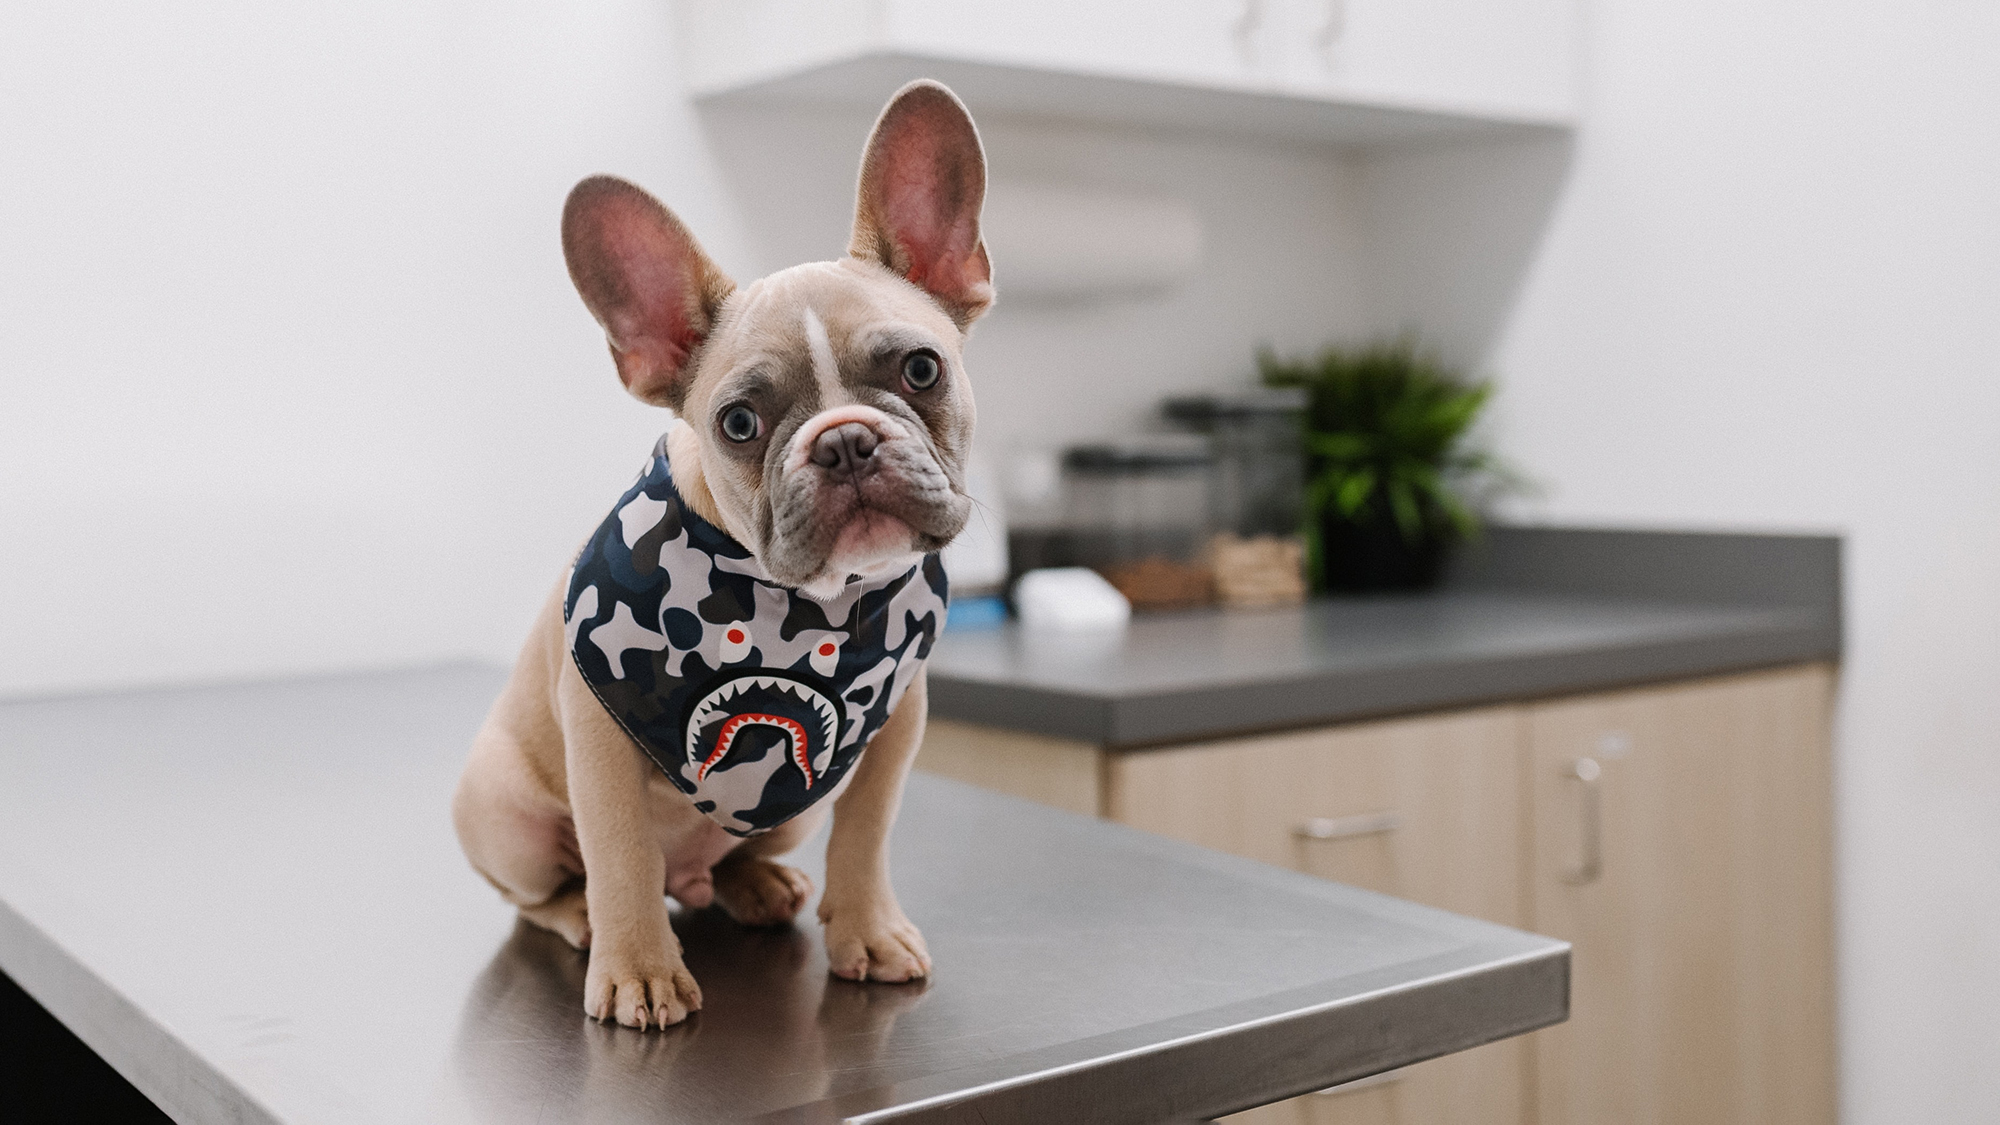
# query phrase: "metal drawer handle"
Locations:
[[1590, 864], [1347, 827], [1360, 1084]]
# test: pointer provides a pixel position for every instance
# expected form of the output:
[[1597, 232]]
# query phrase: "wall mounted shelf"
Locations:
[[1365, 72]]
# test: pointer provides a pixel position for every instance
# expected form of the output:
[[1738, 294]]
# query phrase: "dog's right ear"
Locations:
[[646, 281]]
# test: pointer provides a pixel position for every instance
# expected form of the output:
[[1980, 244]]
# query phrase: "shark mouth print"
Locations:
[[735, 726], [792, 708]]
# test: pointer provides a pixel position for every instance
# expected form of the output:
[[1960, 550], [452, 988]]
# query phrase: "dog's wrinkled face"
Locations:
[[826, 407], [834, 418]]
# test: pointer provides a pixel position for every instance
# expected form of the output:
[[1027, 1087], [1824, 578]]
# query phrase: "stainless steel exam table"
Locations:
[[248, 899]]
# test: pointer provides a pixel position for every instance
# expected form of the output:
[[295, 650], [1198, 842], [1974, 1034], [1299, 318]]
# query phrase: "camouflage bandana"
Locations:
[[752, 698]]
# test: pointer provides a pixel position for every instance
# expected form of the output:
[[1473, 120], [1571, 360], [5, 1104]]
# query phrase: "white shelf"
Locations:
[[1399, 71], [865, 82]]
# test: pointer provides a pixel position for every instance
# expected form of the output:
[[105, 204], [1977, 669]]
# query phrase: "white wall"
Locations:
[[1769, 296], [292, 376]]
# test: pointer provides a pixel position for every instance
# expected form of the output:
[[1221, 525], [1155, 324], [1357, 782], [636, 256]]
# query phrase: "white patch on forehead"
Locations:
[[826, 369]]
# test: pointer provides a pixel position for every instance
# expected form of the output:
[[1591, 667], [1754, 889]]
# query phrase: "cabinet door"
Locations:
[[1227, 43], [1480, 59], [1427, 809], [1513, 57], [1695, 884], [1059, 772]]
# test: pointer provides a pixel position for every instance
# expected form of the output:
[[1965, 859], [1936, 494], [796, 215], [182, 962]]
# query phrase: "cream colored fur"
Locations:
[[557, 807]]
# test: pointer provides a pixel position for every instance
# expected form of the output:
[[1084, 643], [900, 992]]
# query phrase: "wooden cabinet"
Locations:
[[1199, 42], [1510, 56], [1701, 987], [1313, 69], [1693, 876], [1515, 58], [1426, 809]]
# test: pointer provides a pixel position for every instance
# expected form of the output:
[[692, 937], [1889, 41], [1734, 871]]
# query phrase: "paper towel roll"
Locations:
[[1053, 242]]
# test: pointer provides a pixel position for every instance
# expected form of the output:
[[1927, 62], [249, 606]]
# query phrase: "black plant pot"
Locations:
[[1356, 557]]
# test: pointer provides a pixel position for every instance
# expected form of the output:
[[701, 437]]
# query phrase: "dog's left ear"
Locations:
[[923, 180]]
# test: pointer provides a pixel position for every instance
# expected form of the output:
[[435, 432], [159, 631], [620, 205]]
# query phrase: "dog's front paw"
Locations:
[[758, 892], [873, 941], [639, 992]]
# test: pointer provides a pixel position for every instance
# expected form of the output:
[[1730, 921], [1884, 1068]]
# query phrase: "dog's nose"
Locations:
[[845, 450]]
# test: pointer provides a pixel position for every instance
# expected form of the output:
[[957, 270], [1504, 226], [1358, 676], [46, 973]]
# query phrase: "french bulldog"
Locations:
[[697, 694]]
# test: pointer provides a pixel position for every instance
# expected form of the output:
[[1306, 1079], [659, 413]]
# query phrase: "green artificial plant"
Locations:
[[1386, 427]]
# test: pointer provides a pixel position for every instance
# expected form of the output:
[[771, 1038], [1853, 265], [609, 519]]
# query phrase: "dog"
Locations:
[[698, 692]]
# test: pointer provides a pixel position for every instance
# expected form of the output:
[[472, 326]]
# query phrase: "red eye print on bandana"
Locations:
[[825, 656], [735, 643]]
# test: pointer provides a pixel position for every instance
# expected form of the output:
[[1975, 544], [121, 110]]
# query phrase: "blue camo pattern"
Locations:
[[752, 698]]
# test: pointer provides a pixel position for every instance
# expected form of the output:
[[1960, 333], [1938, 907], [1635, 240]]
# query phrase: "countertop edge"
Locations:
[[134, 1044], [1164, 718], [1784, 590]]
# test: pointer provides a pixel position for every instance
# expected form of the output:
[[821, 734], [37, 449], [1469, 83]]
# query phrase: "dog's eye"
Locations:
[[741, 424], [921, 370]]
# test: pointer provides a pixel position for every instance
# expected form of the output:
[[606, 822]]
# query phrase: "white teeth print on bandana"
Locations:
[[735, 644], [752, 699]]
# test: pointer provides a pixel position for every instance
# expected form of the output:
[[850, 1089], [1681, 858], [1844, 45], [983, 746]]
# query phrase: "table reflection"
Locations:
[[774, 1030]]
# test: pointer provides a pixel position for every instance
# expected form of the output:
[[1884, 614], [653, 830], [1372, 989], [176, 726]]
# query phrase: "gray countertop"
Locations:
[[249, 900], [1540, 612]]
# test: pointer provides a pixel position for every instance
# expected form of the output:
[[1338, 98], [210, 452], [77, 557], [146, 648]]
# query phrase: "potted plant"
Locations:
[[1388, 468]]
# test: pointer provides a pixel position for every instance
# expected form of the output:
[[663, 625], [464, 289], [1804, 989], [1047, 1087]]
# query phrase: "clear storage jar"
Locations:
[[1258, 441], [1138, 511], [1256, 491]]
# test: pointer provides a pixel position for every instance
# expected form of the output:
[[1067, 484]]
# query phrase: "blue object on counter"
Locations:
[[966, 615]]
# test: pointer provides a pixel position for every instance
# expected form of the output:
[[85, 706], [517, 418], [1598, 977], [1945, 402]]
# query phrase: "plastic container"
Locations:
[[1256, 491], [1258, 472], [1139, 513]]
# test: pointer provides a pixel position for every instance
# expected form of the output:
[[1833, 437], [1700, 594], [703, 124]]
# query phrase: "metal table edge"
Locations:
[[178, 1080], [1272, 1040]]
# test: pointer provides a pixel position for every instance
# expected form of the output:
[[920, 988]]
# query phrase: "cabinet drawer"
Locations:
[[1427, 809]]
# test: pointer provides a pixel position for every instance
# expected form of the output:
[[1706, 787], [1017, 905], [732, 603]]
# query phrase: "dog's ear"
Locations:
[[646, 281], [923, 179]]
